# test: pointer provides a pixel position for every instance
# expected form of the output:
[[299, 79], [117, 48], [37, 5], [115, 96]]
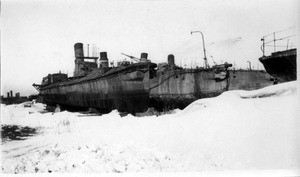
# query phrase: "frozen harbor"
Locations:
[[238, 130]]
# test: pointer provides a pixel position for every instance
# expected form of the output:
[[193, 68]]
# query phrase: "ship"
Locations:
[[281, 64], [134, 87], [129, 87], [125, 88], [177, 87]]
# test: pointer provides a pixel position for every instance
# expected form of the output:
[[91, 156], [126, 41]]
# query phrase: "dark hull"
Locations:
[[125, 90], [281, 65]]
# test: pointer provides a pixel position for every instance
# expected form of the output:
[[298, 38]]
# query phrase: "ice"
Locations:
[[238, 130]]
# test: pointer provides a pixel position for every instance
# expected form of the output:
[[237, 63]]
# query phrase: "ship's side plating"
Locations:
[[178, 87], [125, 91], [249, 79]]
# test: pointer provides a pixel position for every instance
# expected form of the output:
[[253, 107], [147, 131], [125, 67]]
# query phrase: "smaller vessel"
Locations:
[[280, 64]]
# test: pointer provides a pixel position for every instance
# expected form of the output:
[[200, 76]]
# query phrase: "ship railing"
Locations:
[[279, 40]]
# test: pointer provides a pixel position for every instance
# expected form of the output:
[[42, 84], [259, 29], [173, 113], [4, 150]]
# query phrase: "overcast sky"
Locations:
[[37, 37]]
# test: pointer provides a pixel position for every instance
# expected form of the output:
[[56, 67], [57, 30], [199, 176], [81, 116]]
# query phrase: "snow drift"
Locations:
[[238, 130]]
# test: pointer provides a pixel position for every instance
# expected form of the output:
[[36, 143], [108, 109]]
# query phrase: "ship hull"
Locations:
[[249, 79], [126, 91], [281, 65], [179, 88]]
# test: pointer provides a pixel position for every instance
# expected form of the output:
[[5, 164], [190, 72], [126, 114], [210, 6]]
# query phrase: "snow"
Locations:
[[238, 130]]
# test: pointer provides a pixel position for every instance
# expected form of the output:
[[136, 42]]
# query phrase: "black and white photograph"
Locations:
[[150, 87]]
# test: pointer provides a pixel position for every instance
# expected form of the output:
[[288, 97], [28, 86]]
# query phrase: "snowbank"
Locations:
[[238, 130]]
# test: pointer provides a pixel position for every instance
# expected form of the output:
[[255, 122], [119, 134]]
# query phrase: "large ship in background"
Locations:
[[281, 63]]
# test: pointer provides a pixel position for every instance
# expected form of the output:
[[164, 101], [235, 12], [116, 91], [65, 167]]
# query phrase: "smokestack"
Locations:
[[7, 94], [103, 60], [78, 49], [11, 93], [94, 50], [144, 57], [171, 60], [88, 49]]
